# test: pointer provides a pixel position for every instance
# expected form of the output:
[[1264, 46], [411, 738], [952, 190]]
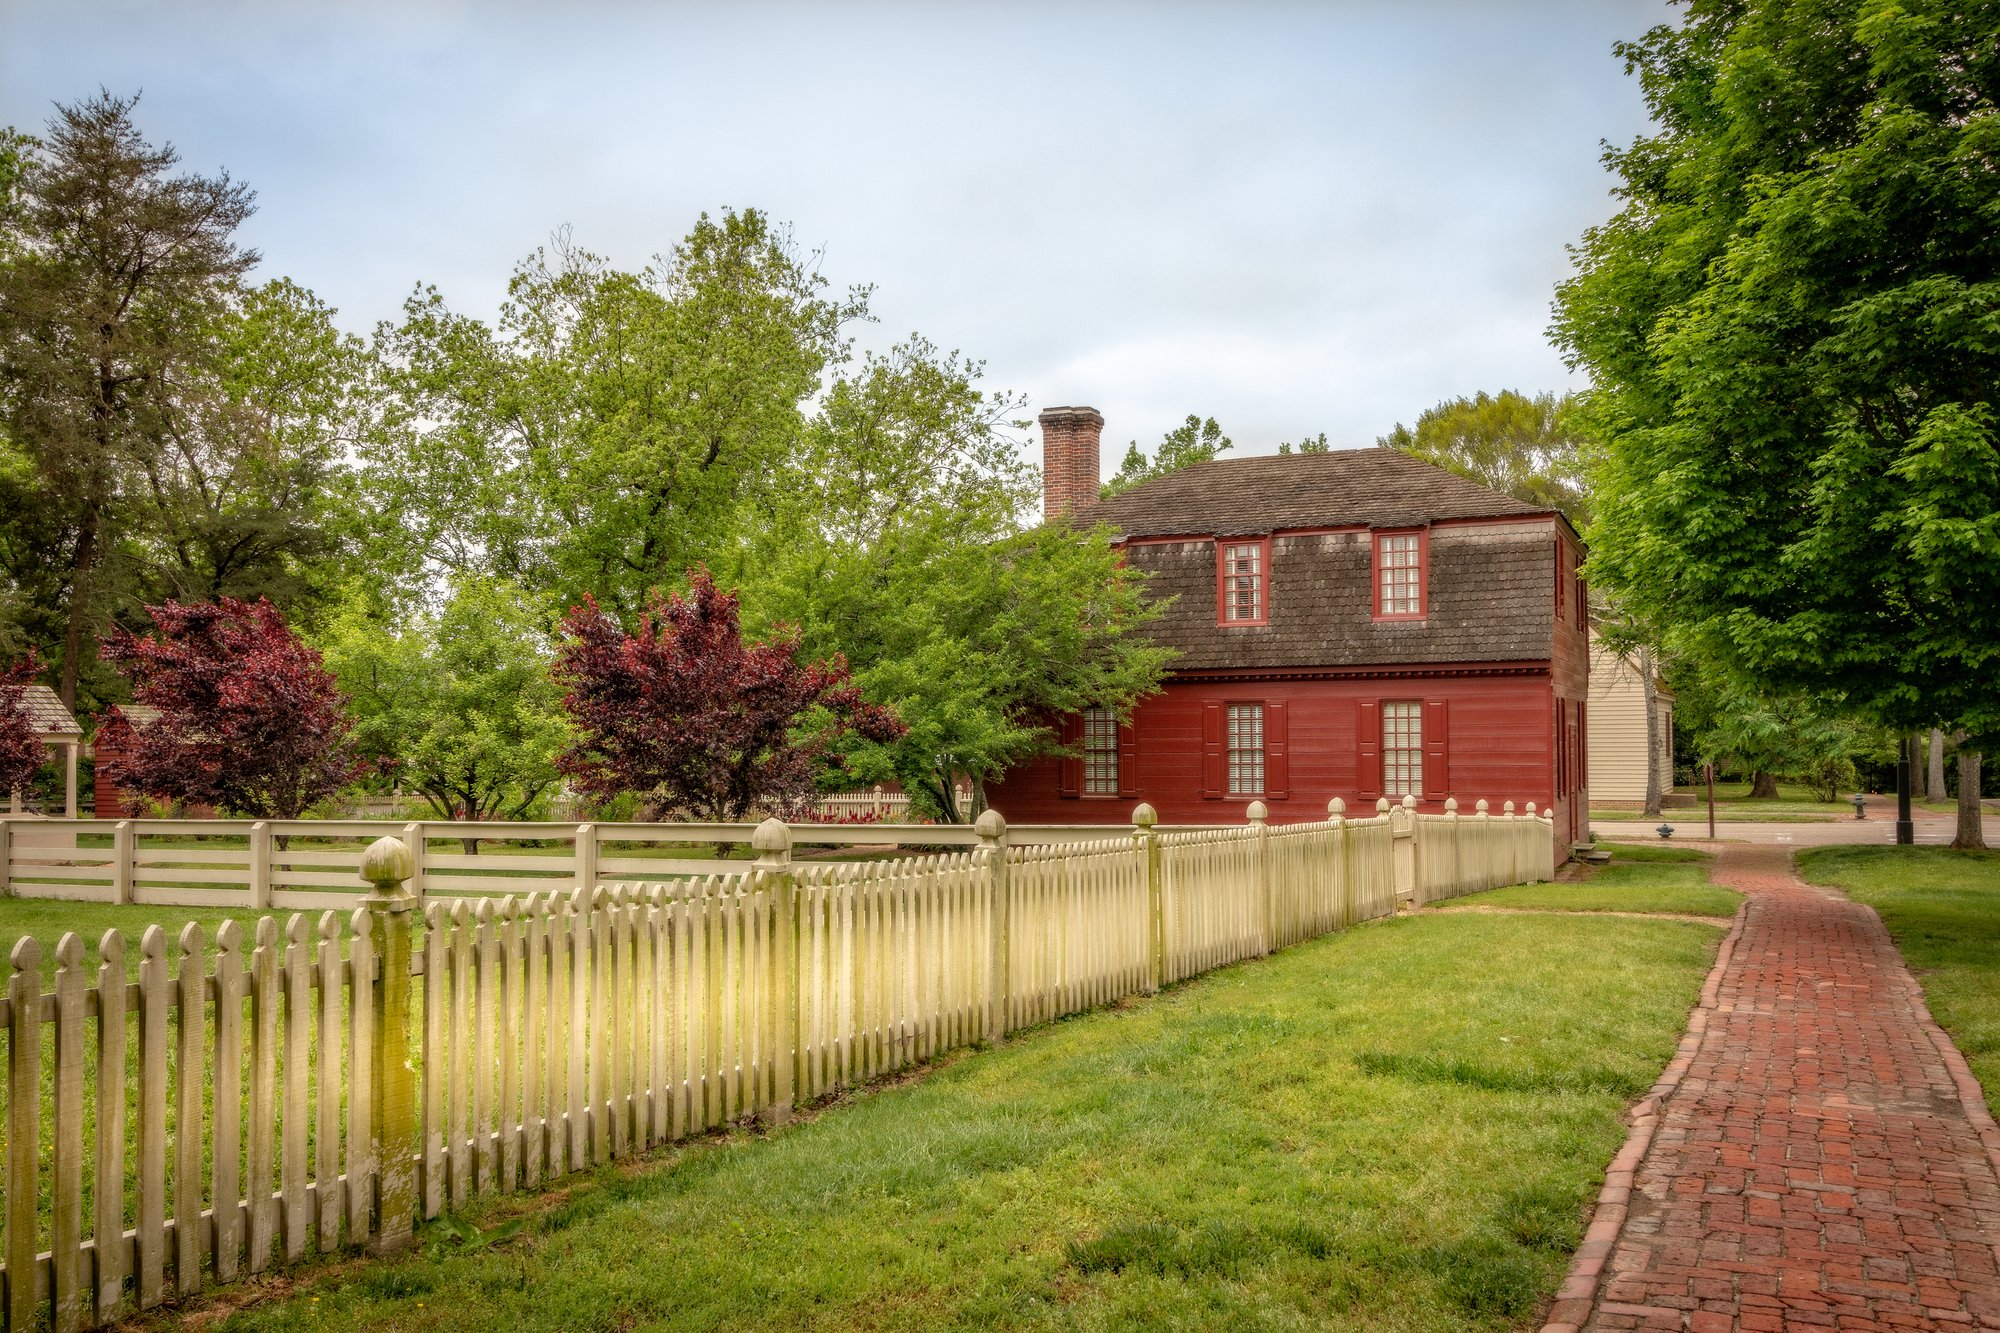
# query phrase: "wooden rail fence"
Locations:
[[332, 1082]]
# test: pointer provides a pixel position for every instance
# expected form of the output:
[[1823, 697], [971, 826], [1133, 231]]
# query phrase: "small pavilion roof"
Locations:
[[46, 713]]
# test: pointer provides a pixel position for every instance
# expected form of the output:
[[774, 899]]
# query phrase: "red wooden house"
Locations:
[[1353, 623]]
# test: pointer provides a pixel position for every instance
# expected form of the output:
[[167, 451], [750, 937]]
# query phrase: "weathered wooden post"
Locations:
[[1144, 820], [124, 860], [1257, 813], [1403, 843], [387, 865], [772, 841], [991, 857], [6, 857], [1343, 892], [587, 852], [260, 866]]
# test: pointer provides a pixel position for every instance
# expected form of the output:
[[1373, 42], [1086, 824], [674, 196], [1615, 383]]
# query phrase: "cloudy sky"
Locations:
[[1293, 217]]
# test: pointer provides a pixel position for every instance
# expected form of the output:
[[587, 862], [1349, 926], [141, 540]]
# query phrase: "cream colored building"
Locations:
[[1617, 730]]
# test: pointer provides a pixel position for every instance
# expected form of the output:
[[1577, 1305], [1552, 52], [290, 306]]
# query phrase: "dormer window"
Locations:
[[1242, 581], [1399, 575]]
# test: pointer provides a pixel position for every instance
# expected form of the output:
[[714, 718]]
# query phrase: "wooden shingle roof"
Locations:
[[1376, 487], [46, 712]]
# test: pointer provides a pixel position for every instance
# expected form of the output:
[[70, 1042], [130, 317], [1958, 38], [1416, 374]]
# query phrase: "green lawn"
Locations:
[[1638, 879], [1395, 1128], [1734, 804], [1943, 909]]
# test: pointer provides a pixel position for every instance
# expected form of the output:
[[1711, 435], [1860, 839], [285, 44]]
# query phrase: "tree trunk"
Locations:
[[1763, 786], [1934, 771], [1655, 789], [74, 635], [1970, 836]]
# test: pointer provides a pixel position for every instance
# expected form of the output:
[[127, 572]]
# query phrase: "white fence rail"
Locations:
[[332, 1083]]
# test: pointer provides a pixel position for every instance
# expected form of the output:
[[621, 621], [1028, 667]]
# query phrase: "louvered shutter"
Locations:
[[1437, 762], [1368, 749], [1277, 753], [1069, 780], [1128, 758], [1214, 762]]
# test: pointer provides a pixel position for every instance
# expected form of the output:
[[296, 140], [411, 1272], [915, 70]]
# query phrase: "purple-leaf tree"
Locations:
[[250, 720], [697, 721], [21, 752]]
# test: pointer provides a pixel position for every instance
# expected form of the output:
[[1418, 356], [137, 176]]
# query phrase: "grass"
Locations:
[[47, 919], [1942, 908], [1734, 804], [1637, 879], [1398, 1128]]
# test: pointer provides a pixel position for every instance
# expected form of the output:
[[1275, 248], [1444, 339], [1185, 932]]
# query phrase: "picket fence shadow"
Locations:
[[331, 1082]]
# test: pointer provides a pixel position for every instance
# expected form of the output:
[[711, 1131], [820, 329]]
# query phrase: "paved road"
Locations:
[[1816, 1167], [1935, 830]]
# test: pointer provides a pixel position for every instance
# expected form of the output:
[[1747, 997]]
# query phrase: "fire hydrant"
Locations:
[[1860, 805]]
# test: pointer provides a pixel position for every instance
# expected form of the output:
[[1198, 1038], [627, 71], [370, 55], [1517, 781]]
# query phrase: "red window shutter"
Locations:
[[1069, 779], [1368, 747], [1128, 758], [1214, 765], [1582, 743], [1437, 771], [1277, 754]]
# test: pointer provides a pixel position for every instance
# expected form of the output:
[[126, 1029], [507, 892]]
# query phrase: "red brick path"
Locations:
[[1817, 1165]]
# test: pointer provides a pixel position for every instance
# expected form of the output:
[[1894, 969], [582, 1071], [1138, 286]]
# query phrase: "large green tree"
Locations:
[[1193, 441], [611, 431], [1529, 448], [905, 544], [1793, 326], [456, 703], [168, 431]]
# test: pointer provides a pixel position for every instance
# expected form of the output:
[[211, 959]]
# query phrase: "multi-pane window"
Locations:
[[1403, 749], [1243, 581], [1100, 752], [1246, 749], [1399, 576]]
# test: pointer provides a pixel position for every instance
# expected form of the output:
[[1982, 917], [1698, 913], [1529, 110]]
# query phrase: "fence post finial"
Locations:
[[772, 841], [1409, 801], [1336, 807], [1480, 806], [1451, 805], [1531, 809], [1257, 812], [990, 826], [1144, 815], [1381, 805], [1508, 809], [393, 1130]]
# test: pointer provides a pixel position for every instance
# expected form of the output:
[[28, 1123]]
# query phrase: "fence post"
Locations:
[[1260, 849], [772, 841], [260, 866], [586, 856], [6, 857], [124, 855], [413, 842], [992, 859], [388, 866], [1144, 820]]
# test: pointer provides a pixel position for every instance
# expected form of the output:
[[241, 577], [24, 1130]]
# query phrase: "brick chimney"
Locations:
[[1069, 458]]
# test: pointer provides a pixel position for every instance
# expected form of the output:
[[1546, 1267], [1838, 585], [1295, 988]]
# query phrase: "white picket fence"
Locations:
[[331, 1083]]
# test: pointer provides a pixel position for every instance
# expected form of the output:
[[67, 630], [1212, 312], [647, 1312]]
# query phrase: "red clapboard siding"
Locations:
[[1322, 739]]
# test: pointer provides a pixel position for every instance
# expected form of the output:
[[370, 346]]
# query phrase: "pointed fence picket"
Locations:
[[247, 1104]]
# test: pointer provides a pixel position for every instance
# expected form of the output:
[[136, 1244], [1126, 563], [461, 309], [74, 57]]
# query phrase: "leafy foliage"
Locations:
[[167, 431], [611, 431], [1790, 325], [250, 720], [1769, 737], [1193, 441], [458, 702], [685, 712], [21, 750], [1529, 448]]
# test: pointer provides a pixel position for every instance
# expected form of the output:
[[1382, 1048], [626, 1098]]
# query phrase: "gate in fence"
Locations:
[[334, 1083]]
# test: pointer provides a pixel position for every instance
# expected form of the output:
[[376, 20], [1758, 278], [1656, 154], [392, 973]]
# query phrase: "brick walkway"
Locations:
[[1815, 1166]]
